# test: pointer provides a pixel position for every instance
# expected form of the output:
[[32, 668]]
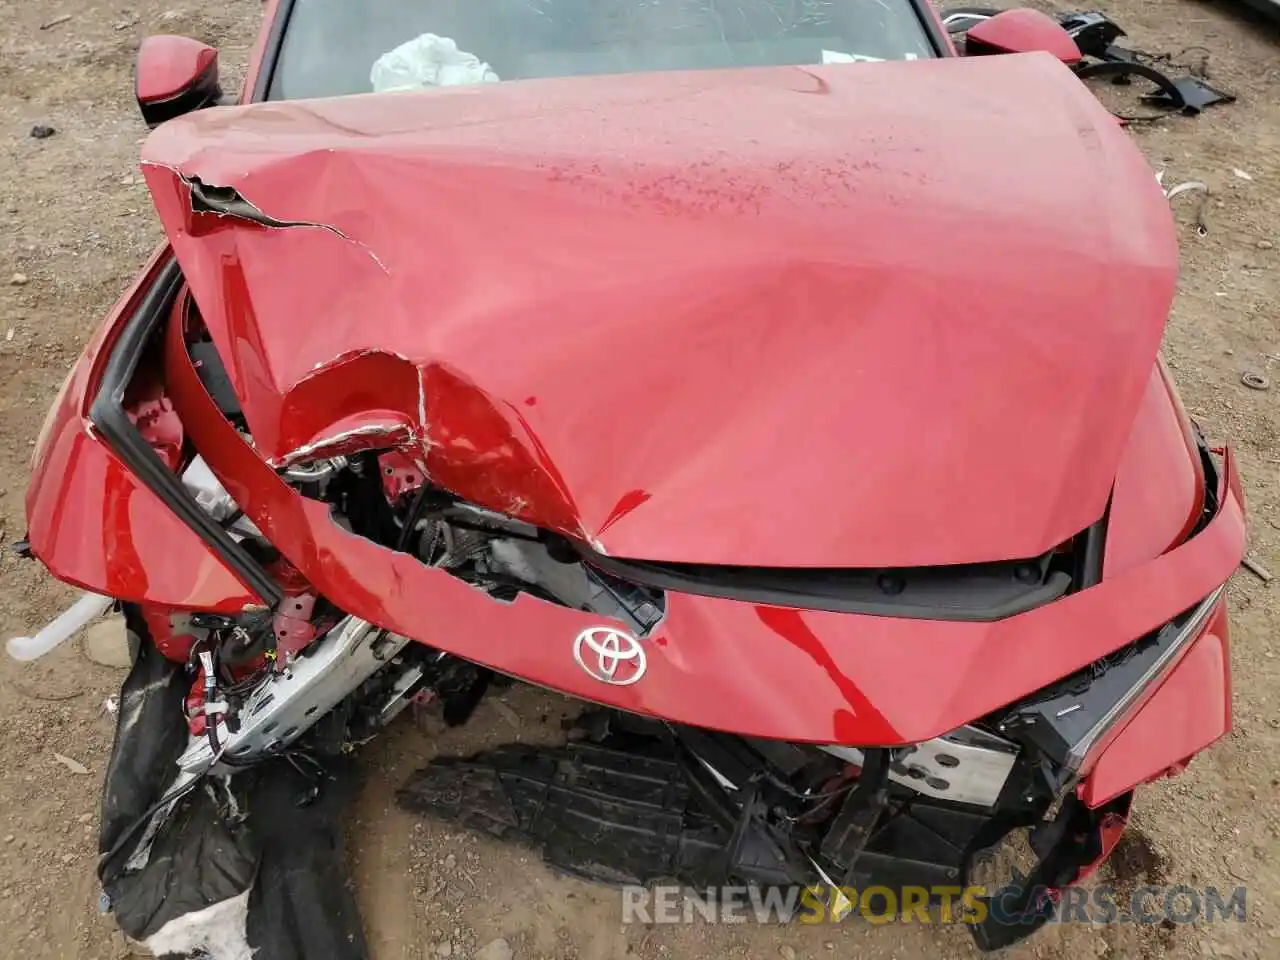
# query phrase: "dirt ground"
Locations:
[[75, 224]]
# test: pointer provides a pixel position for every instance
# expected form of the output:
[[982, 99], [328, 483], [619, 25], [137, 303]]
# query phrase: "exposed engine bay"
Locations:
[[254, 670]]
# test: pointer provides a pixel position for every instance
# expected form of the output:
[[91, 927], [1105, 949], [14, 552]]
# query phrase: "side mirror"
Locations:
[[173, 76], [1021, 31]]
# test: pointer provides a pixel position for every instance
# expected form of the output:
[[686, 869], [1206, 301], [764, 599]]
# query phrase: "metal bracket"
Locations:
[[289, 704]]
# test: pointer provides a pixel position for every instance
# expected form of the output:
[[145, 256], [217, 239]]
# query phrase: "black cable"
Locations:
[[414, 515], [177, 793], [211, 730]]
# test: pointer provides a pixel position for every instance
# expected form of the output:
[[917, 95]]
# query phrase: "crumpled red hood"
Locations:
[[864, 315]]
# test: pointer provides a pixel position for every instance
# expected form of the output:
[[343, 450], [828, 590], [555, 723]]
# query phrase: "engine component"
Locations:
[[504, 556], [214, 500], [315, 471], [400, 475]]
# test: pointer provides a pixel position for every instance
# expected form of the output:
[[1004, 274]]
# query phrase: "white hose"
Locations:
[[90, 605]]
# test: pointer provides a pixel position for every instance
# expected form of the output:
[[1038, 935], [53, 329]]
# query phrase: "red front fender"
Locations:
[[96, 525]]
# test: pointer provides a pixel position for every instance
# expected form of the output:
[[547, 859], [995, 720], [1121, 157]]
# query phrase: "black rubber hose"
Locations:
[[416, 510]]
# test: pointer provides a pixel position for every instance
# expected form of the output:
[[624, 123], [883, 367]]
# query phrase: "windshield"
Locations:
[[334, 47]]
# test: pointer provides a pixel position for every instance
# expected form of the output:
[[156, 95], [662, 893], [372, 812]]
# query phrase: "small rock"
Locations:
[[445, 949], [75, 766], [9, 336], [450, 862], [1241, 174], [18, 280], [507, 714], [67, 858], [1265, 245], [85, 818], [495, 950], [786, 952], [106, 644], [829, 945], [10, 838], [42, 131]]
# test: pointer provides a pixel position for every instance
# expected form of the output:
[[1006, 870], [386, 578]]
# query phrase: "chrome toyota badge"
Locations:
[[610, 656]]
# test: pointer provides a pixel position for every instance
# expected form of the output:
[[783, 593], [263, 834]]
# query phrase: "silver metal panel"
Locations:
[[288, 705], [967, 765]]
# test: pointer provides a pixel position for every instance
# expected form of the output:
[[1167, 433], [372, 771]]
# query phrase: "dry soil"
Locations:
[[76, 223]]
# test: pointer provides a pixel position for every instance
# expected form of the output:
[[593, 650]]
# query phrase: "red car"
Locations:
[[751, 371]]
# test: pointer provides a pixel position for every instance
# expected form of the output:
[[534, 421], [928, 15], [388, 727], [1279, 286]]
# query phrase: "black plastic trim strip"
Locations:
[[932, 28], [673, 577], [271, 52], [112, 423], [1091, 551]]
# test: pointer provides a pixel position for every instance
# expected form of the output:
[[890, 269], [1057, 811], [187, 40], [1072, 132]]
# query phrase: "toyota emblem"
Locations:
[[610, 656]]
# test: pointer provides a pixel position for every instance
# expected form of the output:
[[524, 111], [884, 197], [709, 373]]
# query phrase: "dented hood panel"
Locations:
[[885, 314]]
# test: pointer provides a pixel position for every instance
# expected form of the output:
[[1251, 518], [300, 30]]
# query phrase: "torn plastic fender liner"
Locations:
[[213, 879], [812, 676]]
